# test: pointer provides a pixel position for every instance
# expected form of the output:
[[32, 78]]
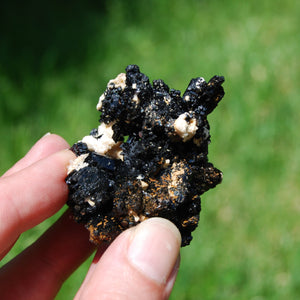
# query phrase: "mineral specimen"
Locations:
[[147, 158]]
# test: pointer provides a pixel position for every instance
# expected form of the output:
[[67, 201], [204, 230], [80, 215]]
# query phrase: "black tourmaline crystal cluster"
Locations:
[[147, 158]]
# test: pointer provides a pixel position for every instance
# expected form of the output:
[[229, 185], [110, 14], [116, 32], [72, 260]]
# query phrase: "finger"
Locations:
[[39, 271], [141, 263], [32, 195], [47, 145]]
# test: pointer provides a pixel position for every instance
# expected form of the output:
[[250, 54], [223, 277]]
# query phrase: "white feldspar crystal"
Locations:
[[185, 129], [99, 104], [78, 163], [105, 143], [119, 81]]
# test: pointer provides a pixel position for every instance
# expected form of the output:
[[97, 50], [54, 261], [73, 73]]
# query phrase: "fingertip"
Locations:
[[67, 156], [50, 143], [154, 249], [45, 146]]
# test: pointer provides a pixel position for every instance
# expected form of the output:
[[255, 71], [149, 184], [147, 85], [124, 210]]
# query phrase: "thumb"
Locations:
[[142, 263]]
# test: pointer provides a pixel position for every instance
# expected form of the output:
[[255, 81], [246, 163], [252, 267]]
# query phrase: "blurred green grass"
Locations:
[[55, 61]]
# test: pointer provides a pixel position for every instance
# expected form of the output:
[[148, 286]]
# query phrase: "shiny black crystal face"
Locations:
[[147, 158]]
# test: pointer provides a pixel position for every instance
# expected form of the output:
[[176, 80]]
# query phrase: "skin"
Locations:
[[141, 263]]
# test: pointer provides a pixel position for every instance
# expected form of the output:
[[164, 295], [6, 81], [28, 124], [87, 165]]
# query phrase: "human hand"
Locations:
[[141, 263]]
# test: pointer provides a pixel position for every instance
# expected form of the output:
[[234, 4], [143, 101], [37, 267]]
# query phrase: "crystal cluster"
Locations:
[[147, 158]]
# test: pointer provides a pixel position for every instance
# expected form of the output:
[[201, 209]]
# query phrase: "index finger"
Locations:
[[45, 146], [32, 195]]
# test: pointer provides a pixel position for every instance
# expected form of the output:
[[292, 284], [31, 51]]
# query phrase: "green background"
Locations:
[[55, 61]]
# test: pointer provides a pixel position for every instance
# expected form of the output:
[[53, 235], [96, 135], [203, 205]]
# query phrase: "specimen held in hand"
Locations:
[[147, 158]]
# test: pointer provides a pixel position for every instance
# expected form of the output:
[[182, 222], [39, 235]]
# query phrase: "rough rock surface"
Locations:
[[147, 158]]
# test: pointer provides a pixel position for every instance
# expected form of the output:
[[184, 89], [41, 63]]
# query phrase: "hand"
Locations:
[[141, 263]]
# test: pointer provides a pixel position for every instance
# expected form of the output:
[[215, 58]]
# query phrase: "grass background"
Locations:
[[55, 61]]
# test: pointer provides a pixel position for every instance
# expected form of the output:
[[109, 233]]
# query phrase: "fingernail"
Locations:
[[48, 133], [154, 249]]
